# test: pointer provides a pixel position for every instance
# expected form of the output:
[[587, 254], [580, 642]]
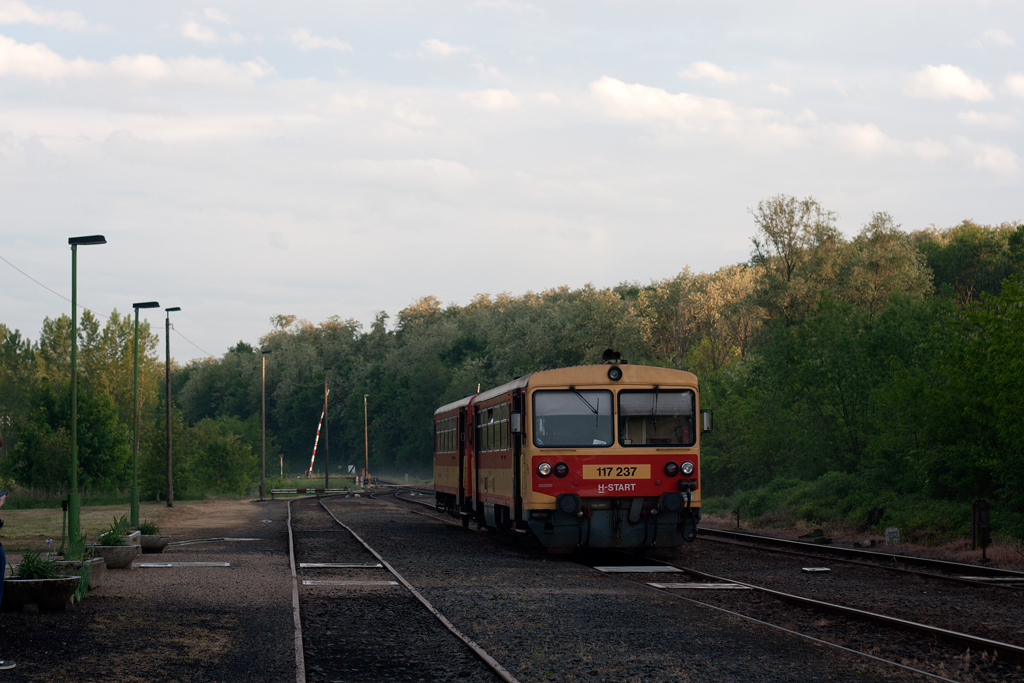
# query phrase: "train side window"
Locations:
[[479, 430], [504, 426]]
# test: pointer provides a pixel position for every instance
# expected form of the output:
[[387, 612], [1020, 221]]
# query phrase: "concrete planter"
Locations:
[[97, 569], [116, 556], [134, 538], [38, 595], [155, 543]]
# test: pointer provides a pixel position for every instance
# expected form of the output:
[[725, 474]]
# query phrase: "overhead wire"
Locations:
[[48, 289], [210, 355]]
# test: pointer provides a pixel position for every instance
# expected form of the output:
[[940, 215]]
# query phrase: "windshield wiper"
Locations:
[[583, 398], [654, 413]]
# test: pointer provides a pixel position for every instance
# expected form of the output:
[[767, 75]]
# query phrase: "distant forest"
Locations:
[[886, 370]]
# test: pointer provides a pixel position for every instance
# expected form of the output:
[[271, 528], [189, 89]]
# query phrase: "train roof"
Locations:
[[580, 374]]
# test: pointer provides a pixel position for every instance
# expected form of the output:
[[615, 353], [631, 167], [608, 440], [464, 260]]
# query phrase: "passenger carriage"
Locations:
[[589, 456]]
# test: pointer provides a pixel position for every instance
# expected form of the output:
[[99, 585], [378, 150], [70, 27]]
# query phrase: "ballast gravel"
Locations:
[[548, 618]]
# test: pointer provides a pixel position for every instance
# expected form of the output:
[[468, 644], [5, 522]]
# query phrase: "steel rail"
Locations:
[[854, 552], [492, 663], [799, 634], [894, 622], [300, 657], [862, 563]]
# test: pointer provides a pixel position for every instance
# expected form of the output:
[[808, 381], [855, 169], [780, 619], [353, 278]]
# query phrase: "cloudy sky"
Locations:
[[246, 159]]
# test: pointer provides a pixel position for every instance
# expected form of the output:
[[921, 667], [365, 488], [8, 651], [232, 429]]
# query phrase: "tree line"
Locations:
[[846, 373]]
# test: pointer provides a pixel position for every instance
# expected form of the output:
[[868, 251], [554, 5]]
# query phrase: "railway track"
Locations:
[[958, 572], [368, 623], [898, 641]]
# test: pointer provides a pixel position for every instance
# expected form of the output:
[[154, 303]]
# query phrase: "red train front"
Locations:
[[590, 456]]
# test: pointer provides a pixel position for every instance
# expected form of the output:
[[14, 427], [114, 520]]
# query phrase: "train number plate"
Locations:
[[616, 471]]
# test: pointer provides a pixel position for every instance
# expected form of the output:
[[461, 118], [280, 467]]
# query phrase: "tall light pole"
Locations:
[[263, 427], [327, 439], [366, 440], [167, 339], [74, 502], [134, 460]]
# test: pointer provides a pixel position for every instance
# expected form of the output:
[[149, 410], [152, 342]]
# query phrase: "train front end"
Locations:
[[611, 456]]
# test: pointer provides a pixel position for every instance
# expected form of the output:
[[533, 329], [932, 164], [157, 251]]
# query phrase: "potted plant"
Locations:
[[152, 540], [37, 585], [114, 546], [78, 559]]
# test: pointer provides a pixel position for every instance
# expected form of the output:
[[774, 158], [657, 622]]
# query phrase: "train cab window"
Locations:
[[663, 417], [572, 419]]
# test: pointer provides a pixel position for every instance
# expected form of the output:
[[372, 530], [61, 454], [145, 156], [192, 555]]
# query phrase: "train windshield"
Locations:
[[663, 417], [572, 419]]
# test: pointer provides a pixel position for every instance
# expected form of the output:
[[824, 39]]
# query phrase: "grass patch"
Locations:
[[842, 501]]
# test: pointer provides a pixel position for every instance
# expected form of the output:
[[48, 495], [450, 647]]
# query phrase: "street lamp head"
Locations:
[[87, 239], [146, 304], [172, 309], [268, 351]]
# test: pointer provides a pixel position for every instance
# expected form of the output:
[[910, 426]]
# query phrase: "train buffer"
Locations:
[[319, 492]]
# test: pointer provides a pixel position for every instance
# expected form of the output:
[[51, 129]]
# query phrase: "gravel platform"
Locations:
[[547, 618], [172, 624]]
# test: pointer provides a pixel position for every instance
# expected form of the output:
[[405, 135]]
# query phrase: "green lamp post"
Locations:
[[135, 408], [74, 502]]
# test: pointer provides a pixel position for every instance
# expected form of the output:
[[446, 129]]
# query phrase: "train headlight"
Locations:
[[671, 469], [687, 468], [561, 469], [614, 373], [544, 469]]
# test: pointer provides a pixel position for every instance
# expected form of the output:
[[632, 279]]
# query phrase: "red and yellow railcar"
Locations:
[[589, 456]]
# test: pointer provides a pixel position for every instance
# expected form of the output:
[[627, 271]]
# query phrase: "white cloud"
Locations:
[[193, 30], [487, 73], [780, 89], [999, 37], [491, 100], [409, 115], [866, 141], [636, 101], [945, 82], [929, 150], [13, 12], [214, 14], [1014, 84], [548, 98], [439, 48], [997, 121], [992, 158], [341, 103], [39, 61], [712, 71], [306, 41], [192, 70]]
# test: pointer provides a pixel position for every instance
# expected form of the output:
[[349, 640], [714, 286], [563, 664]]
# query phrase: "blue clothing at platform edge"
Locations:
[[3, 571]]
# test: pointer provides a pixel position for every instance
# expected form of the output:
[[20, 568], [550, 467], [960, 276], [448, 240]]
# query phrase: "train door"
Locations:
[[464, 481], [517, 456]]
